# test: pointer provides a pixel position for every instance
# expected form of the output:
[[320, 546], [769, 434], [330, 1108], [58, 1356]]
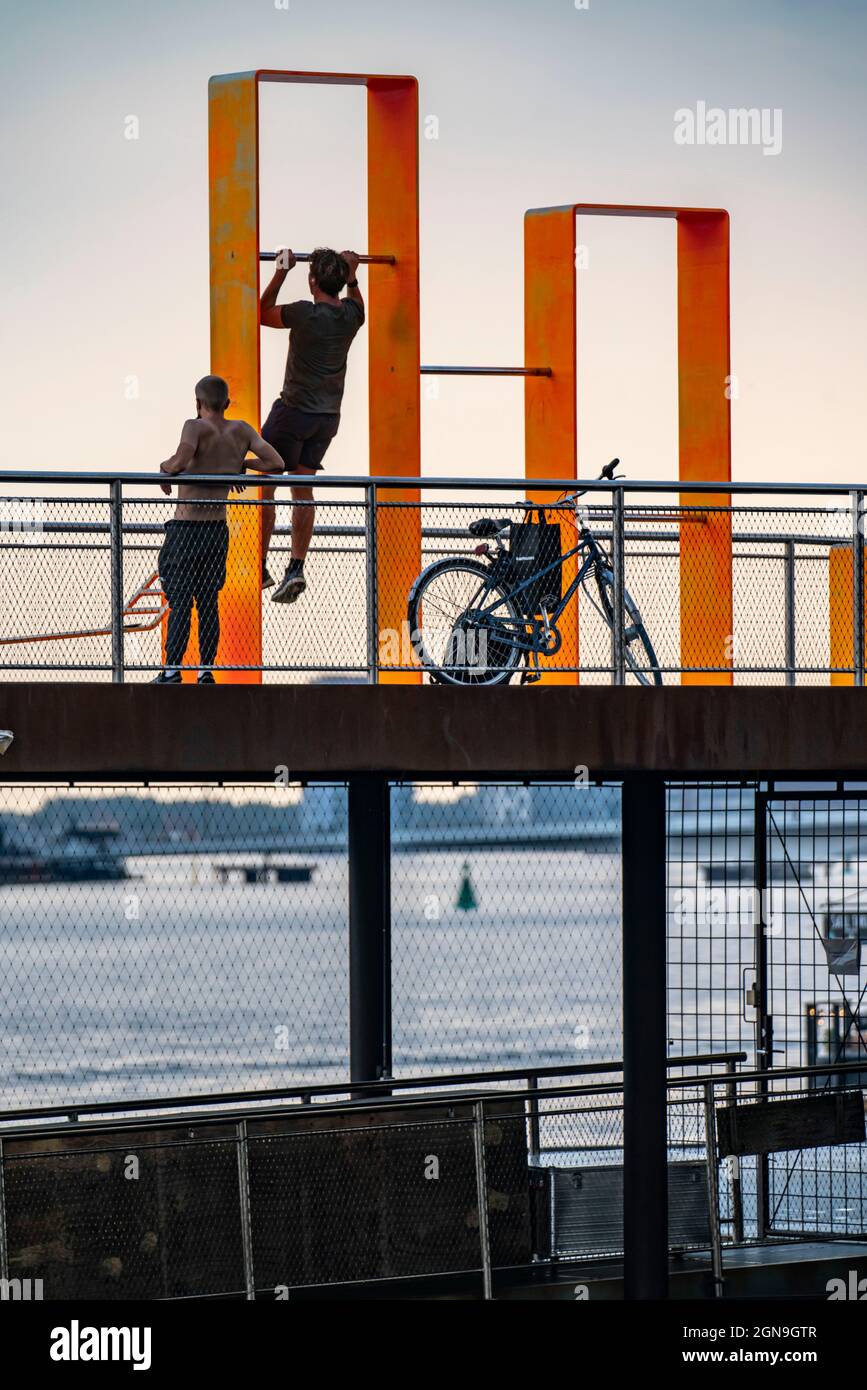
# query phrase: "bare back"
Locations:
[[221, 447]]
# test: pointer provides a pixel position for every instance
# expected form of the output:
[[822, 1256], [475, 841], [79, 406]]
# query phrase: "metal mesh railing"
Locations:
[[361, 1195], [657, 585], [173, 942], [474, 1187], [163, 941], [505, 925]]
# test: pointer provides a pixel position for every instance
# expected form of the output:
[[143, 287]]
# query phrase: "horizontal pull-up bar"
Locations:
[[308, 256], [486, 371]]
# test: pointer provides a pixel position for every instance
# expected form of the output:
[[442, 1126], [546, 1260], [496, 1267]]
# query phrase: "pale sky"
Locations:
[[104, 267]]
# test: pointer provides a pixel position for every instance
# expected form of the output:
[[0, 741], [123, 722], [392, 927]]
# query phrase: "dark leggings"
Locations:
[[192, 569]]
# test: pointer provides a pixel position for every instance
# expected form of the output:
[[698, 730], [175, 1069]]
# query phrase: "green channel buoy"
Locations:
[[466, 897]]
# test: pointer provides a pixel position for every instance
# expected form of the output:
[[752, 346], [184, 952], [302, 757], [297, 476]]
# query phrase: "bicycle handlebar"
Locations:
[[608, 474]]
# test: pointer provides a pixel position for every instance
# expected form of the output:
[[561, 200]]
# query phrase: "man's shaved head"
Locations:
[[212, 392]]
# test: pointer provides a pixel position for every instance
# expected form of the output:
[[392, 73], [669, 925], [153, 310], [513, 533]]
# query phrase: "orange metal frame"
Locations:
[[551, 403], [393, 329], [840, 613]]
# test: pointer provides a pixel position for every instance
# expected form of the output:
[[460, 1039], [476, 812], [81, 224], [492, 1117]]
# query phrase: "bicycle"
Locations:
[[494, 618]]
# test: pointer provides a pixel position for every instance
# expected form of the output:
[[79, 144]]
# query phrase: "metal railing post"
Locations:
[[116, 544], [372, 586], [4, 1253], [618, 548], [735, 1172], [790, 612], [857, 587], [533, 1108], [246, 1222], [482, 1195], [713, 1189]]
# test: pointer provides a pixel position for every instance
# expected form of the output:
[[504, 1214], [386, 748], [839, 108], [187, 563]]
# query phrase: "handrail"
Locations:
[[306, 1092], [386, 1103], [22, 475]]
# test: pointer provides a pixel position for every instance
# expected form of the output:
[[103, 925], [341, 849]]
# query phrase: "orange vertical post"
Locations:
[[233, 179], [551, 403], [704, 413], [840, 616], [551, 408], [394, 348], [393, 326]]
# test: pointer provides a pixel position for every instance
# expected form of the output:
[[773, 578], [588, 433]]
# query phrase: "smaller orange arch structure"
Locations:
[[704, 407]]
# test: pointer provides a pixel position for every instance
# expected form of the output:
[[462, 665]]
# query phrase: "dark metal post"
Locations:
[[246, 1221], [735, 1165], [619, 560], [533, 1110], [858, 587], [759, 998], [713, 1189], [790, 612], [372, 586], [482, 1197], [369, 927], [645, 1140], [4, 1254], [116, 544]]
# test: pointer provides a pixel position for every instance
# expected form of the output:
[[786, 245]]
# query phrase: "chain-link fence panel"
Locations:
[[506, 926], [136, 1215], [817, 922], [356, 1199], [165, 941], [712, 917], [55, 575], [473, 590]]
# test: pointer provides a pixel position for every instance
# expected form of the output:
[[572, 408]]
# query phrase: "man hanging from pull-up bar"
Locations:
[[305, 417]]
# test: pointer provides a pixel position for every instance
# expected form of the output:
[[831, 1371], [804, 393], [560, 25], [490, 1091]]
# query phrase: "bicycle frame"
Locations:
[[537, 642]]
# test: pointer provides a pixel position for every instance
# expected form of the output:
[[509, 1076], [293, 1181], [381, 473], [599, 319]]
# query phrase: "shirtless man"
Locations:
[[192, 561]]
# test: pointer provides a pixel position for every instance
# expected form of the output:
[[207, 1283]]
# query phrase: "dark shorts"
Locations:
[[192, 561], [300, 438]]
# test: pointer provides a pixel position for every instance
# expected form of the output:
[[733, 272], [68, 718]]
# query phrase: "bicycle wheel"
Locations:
[[640, 656], [454, 632]]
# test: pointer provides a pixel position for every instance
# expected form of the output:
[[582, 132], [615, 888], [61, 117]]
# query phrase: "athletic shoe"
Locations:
[[267, 579], [291, 587], [206, 678], [163, 679]]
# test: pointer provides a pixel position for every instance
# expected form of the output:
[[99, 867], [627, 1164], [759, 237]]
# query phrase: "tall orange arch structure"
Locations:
[[393, 327], [704, 407]]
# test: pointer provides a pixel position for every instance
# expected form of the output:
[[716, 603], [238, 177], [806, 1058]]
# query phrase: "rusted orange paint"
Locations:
[[394, 343], [551, 410], [551, 403], [840, 611], [393, 325], [704, 412], [233, 176]]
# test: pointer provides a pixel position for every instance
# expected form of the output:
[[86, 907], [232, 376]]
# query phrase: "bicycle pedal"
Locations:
[[530, 677]]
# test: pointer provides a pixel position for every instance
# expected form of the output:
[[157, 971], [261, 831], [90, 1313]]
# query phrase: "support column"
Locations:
[[395, 353], [551, 403], [233, 181], [645, 1165], [369, 927], [704, 412]]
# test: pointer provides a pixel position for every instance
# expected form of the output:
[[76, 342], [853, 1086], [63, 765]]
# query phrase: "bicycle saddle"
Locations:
[[488, 526]]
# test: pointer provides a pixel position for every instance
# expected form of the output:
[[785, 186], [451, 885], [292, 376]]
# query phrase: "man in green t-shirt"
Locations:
[[305, 417]]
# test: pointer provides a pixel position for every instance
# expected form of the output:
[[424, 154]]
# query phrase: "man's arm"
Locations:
[[269, 315], [186, 450], [352, 290], [269, 460]]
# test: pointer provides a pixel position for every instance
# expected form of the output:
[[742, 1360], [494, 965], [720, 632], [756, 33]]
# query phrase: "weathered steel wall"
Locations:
[[144, 731]]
